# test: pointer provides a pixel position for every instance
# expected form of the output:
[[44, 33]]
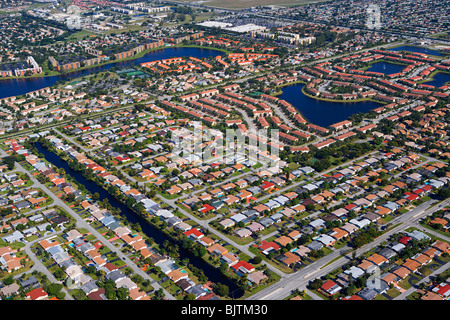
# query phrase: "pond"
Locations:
[[323, 113]]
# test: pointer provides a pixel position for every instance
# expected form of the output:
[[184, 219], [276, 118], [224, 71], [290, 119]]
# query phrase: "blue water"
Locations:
[[14, 87], [386, 67], [439, 79], [417, 49], [323, 113]]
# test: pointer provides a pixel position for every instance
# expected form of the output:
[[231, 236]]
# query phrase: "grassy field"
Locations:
[[242, 4]]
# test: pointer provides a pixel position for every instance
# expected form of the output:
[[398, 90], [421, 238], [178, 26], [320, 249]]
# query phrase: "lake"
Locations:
[[158, 236], [417, 49], [439, 79], [386, 67], [14, 87], [323, 113]]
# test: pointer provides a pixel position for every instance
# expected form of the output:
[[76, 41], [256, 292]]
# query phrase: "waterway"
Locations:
[[417, 49], [158, 236], [323, 113], [14, 87]]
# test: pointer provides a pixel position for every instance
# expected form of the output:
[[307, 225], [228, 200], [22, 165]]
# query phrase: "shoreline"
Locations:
[[53, 73], [431, 77], [320, 98], [280, 91]]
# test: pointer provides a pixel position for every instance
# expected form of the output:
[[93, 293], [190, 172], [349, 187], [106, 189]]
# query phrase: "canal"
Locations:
[[148, 229], [15, 87]]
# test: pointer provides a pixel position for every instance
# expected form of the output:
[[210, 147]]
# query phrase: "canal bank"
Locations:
[[151, 231]]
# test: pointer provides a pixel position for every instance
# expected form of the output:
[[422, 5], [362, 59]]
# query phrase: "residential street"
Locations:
[[83, 224], [301, 278]]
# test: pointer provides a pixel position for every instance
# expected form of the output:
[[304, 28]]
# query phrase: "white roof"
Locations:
[[360, 223], [217, 24], [398, 247], [238, 217], [325, 239], [355, 272]]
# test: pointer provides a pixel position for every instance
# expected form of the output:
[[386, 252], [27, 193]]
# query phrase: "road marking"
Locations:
[[310, 274], [267, 295]]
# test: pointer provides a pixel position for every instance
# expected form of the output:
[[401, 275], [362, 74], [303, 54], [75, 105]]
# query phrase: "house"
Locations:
[[326, 240], [360, 223], [389, 278], [367, 266], [243, 233], [257, 277], [37, 294], [217, 249], [283, 241], [255, 227], [229, 258], [317, 223], [441, 246], [268, 247], [315, 245], [402, 272], [226, 223], [443, 290], [367, 293], [13, 237], [330, 287], [193, 234], [9, 290], [377, 259], [355, 272], [243, 267], [398, 247], [422, 258], [290, 259], [302, 251], [349, 227]]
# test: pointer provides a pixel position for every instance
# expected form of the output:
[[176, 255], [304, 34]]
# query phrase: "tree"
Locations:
[[351, 290], [9, 280], [190, 296], [316, 284], [159, 294], [221, 289], [122, 293], [444, 193], [257, 260], [223, 267], [54, 289]]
